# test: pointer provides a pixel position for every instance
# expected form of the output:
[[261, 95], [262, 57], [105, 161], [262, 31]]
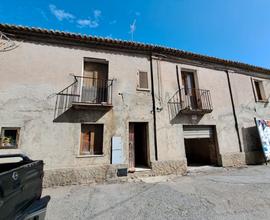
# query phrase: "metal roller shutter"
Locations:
[[191, 132]]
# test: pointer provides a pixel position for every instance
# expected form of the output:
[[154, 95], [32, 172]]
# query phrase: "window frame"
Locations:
[[138, 81], [3, 129], [261, 90], [195, 76], [93, 60], [80, 153]]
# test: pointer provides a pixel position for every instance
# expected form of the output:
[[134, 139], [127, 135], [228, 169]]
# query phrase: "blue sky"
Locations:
[[230, 29]]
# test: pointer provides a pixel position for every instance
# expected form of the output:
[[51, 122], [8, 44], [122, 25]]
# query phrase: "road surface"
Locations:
[[205, 193]]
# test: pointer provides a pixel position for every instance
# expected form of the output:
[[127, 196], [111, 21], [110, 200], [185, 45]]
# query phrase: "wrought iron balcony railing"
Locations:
[[190, 101], [84, 91]]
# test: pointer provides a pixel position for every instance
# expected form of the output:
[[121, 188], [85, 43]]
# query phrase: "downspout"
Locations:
[[178, 84], [234, 112], [159, 84], [154, 107]]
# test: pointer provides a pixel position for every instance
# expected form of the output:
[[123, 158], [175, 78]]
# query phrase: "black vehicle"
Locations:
[[21, 188]]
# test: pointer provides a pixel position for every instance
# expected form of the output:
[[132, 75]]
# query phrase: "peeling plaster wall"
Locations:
[[31, 75], [170, 132], [170, 143], [247, 109]]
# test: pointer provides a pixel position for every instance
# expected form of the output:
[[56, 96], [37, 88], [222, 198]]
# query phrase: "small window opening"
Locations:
[[91, 139], [143, 80], [9, 137], [259, 90]]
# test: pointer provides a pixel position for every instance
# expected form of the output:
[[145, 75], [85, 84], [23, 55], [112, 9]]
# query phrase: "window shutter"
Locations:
[[92, 139], [143, 80], [85, 141]]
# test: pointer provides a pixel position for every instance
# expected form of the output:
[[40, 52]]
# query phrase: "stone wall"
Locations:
[[233, 159], [169, 167], [84, 175], [108, 173]]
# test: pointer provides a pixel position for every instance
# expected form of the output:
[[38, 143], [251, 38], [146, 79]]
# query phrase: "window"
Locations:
[[260, 95], [9, 137], [143, 80], [91, 139]]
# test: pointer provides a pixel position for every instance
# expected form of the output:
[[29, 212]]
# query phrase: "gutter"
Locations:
[[154, 107], [234, 112]]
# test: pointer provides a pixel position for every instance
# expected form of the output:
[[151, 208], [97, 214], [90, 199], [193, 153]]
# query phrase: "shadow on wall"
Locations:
[[252, 145], [177, 117], [80, 116], [186, 119]]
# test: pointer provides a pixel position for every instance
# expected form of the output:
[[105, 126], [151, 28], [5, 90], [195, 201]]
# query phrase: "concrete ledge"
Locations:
[[178, 167], [85, 175], [254, 157], [233, 159]]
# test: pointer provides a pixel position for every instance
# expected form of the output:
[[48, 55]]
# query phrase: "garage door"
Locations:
[[191, 132]]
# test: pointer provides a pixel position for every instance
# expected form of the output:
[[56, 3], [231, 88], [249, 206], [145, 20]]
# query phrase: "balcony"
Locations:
[[190, 102], [85, 93]]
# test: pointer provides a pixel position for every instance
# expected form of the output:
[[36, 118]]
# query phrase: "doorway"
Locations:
[[200, 145], [138, 145], [94, 82], [188, 81]]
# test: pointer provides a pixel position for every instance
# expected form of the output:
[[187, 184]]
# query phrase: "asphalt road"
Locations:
[[203, 194]]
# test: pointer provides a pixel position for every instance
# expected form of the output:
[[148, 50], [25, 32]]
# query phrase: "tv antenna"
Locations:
[[132, 29], [6, 44]]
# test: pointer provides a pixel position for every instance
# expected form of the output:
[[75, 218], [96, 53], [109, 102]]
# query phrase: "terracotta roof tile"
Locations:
[[22, 31]]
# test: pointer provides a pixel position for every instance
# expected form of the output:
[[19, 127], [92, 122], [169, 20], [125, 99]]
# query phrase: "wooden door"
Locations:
[[131, 148], [94, 83], [188, 82]]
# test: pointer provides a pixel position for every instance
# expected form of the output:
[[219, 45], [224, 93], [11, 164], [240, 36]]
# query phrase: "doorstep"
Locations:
[[191, 170], [142, 169]]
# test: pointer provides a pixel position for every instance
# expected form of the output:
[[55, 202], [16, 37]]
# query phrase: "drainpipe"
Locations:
[[154, 107], [234, 112], [178, 84]]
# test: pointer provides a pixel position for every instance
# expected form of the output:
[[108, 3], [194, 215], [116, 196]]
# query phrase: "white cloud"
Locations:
[[61, 14], [88, 22]]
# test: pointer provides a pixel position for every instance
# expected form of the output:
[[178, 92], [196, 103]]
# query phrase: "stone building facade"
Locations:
[[90, 107]]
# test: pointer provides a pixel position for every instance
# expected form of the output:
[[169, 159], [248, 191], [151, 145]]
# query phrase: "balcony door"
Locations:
[[94, 82], [190, 95]]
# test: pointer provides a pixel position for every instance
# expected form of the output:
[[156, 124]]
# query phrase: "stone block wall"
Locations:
[[233, 159], [85, 175], [108, 173], [169, 167]]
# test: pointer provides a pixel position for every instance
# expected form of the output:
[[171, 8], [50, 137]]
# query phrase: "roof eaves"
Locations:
[[138, 46]]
